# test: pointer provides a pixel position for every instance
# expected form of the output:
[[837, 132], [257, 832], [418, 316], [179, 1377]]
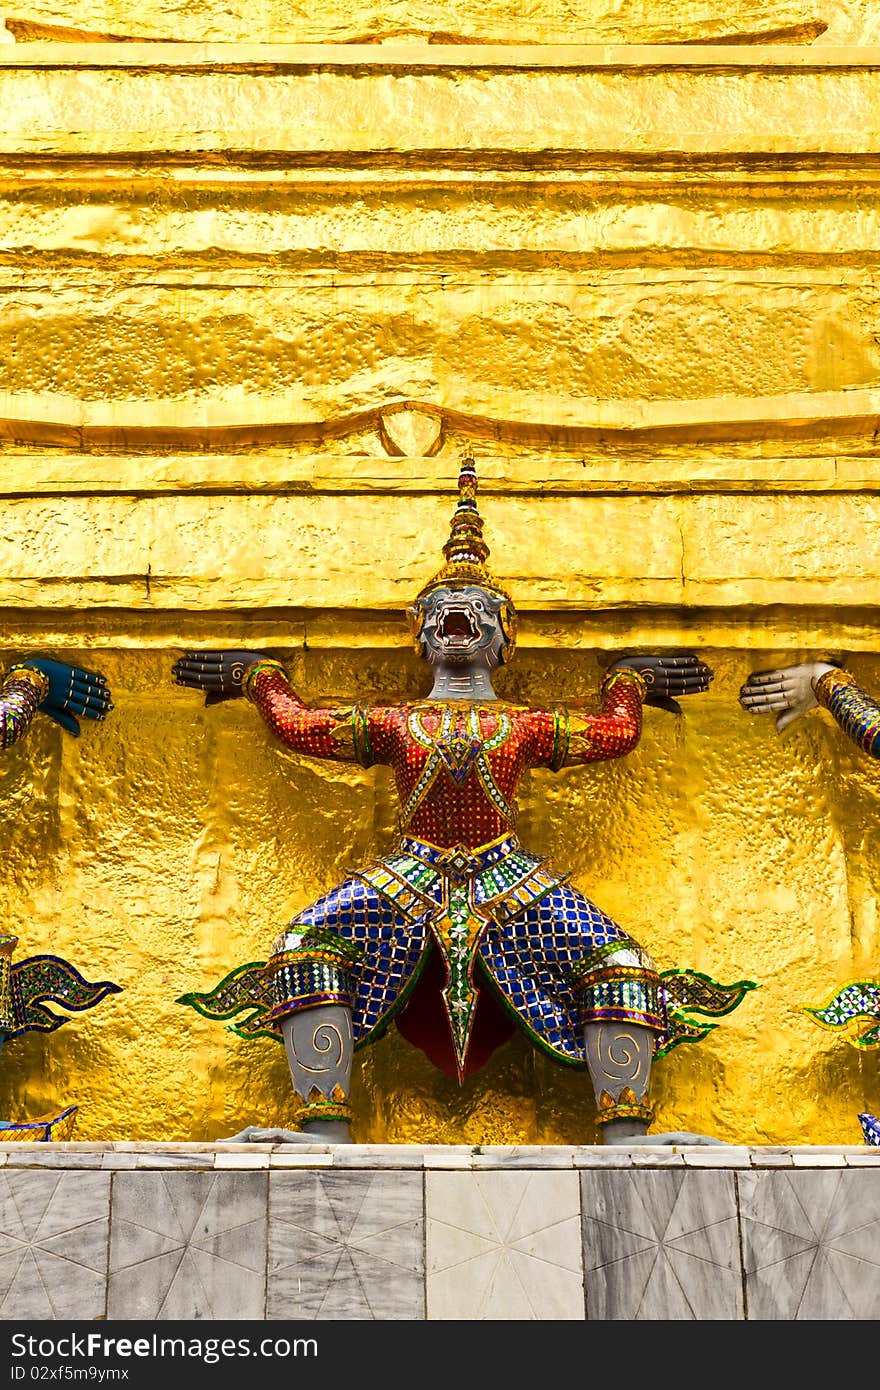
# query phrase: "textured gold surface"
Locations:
[[173, 842], [282, 250], [539, 21], [332, 551], [651, 309], [282, 101]]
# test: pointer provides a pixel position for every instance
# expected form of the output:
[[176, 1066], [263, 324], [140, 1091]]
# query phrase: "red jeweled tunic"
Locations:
[[457, 765]]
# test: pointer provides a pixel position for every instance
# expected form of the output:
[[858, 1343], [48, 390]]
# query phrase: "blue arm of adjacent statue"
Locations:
[[54, 688]]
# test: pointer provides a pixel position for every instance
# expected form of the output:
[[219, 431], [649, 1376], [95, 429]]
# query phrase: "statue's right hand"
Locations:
[[220, 674], [683, 673]]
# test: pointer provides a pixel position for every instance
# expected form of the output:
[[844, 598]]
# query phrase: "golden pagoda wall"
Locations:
[[255, 301]]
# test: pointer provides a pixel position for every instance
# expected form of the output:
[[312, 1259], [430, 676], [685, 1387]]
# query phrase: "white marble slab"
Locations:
[[292, 1158], [503, 1245], [189, 1162], [49, 1155], [53, 1244], [381, 1157], [811, 1244], [771, 1157], [188, 1245], [523, 1156], [245, 1160]]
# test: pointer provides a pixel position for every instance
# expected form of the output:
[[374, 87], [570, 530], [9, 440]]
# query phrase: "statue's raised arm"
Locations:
[[789, 693], [580, 736], [793, 690], [460, 934], [53, 688], [347, 733]]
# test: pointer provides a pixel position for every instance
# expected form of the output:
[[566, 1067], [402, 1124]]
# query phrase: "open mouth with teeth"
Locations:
[[457, 626]]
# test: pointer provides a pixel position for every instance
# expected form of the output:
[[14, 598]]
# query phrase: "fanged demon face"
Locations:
[[463, 626]]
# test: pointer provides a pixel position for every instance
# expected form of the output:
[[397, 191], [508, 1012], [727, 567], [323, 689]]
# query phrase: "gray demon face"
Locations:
[[467, 626]]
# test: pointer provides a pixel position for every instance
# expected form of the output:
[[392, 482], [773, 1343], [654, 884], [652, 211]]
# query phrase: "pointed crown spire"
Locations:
[[466, 552]]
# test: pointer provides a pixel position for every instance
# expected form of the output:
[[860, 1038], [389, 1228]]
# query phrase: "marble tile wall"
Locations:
[[250, 1232]]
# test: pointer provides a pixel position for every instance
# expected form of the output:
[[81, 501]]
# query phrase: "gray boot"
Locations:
[[320, 1048], [619, 1059]]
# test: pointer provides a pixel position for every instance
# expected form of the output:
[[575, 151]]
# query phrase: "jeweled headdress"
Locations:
[[465, 555], [466, 552]]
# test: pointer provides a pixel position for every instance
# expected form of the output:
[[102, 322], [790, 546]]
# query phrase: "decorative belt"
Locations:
[[459, 861]]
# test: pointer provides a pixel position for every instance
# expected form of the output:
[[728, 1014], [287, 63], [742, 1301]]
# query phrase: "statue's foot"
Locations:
[[254, 1134], [331, 1132], [629, 1130], [669, 1138]]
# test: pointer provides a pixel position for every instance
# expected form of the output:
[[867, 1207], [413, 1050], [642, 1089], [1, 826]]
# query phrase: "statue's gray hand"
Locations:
[[220, 674], [788, 693], [667, 676]]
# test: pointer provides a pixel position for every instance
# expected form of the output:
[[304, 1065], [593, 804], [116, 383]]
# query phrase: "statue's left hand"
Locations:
[[667, 676], [788, 693], [220, 674], [72, 691]]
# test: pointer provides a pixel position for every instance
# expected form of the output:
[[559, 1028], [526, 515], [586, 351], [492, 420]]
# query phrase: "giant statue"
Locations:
[[63, 693], [461, 934], [788, 693]]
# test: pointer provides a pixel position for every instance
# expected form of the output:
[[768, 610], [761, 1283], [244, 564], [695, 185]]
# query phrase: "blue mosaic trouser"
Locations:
[[555, 960]]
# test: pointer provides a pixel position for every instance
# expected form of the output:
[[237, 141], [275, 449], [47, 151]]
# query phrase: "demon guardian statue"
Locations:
[[460, 919]]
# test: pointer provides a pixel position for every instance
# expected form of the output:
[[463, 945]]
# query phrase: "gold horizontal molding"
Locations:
[[69, 423], [230, 360], [363, 101], [35, 474], [261, 58], [784, 632], [812, 174], [425, 21], [365, 222]]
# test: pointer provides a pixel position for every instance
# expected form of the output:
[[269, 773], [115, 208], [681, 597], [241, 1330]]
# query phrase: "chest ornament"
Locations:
[[459, 740]]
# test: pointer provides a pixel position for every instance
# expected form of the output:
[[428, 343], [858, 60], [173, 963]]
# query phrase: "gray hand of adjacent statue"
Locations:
[[788, 693], [668, 676]]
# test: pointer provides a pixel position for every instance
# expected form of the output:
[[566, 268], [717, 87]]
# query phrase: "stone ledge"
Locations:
[[323, 1232], [126, 1155]]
